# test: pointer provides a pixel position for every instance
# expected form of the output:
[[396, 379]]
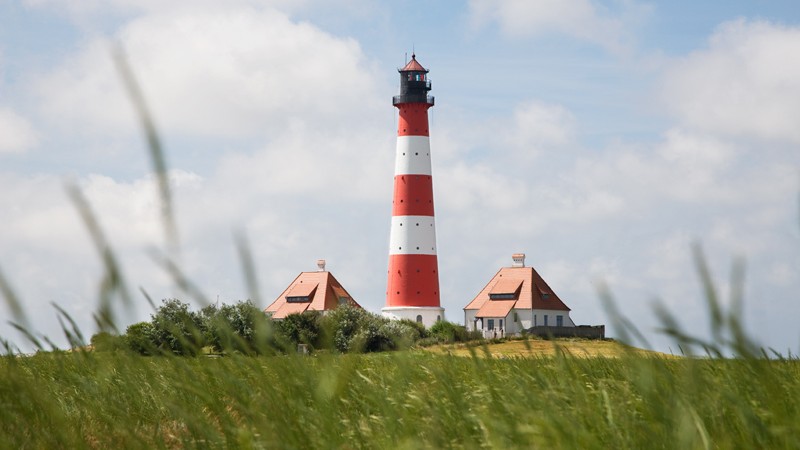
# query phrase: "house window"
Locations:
[[438, 318], [490, 324], [343, 300], [545, 320], [298, 299], [501, 324], [419, 319], [511, 296], [534, 320], [559, 321]]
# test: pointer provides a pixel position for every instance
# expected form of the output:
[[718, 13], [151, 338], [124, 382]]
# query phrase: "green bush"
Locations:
[[420, 332], [140, 338], [107, 342], [176, 329], [241, 327], [341, 325], [448, 332], [302, 328]]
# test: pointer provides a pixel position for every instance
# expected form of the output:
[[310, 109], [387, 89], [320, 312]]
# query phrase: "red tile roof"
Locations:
[[322, 288], [506, 286], [413, 65], [495, 308], [534, 292], [290, 308], [302, 289]]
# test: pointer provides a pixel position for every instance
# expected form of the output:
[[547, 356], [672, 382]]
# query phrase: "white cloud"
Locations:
[[746, 83], [586, 20], [16, 133], [232, 72], [537, 127]]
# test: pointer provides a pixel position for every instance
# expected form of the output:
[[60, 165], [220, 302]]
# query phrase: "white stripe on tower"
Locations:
[[413, 155]]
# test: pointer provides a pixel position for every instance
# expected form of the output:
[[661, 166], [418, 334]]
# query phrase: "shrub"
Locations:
[[176, 329], [140, 338], [241, 328], [302, 328], [107, 342], [341, 325], [448, 332], [373, 335], [419, 329]]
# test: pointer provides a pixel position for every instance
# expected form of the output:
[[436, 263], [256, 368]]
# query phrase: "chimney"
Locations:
[[321, 265], [519, 260]]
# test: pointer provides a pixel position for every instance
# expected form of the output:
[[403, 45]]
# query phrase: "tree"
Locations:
[[107, 342], [304, 328], [341, 324], [176, 329], [241, 327], [140, 337]]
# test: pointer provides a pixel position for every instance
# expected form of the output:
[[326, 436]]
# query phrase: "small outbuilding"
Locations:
[[515, 299], [311, 291]]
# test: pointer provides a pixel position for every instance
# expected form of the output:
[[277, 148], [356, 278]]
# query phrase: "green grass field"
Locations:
[[412, 399]]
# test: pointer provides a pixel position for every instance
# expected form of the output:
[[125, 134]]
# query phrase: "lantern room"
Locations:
[[414, 84]]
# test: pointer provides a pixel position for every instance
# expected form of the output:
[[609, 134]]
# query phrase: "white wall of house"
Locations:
[[490, 326], [469, 319], [525, 318], [549, 317], [525, 321]]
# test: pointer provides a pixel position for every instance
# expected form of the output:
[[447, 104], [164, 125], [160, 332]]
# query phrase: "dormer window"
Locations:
[[301, 293], [505, 289], [545, 294]]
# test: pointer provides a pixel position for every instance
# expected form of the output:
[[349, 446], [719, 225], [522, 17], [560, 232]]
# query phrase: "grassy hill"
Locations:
[[544, 348]]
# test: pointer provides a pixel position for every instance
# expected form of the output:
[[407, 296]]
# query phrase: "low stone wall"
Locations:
[[581, 331]]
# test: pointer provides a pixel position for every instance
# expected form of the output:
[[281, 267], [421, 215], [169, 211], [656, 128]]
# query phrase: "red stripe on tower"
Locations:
[[413, 280]]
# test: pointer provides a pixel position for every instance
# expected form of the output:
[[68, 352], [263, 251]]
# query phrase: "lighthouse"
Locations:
[[412, 290]]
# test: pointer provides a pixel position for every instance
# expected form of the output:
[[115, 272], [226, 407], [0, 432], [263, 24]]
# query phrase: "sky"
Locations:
[[602, 138]]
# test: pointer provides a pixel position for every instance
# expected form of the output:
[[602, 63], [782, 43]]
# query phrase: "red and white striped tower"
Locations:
[[413, 286]]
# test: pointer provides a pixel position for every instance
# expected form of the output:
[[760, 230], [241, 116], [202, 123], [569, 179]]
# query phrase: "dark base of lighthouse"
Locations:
[[427, 315]]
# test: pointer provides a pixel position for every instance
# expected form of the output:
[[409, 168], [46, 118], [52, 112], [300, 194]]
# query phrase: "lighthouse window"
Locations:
[[419, 319]]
